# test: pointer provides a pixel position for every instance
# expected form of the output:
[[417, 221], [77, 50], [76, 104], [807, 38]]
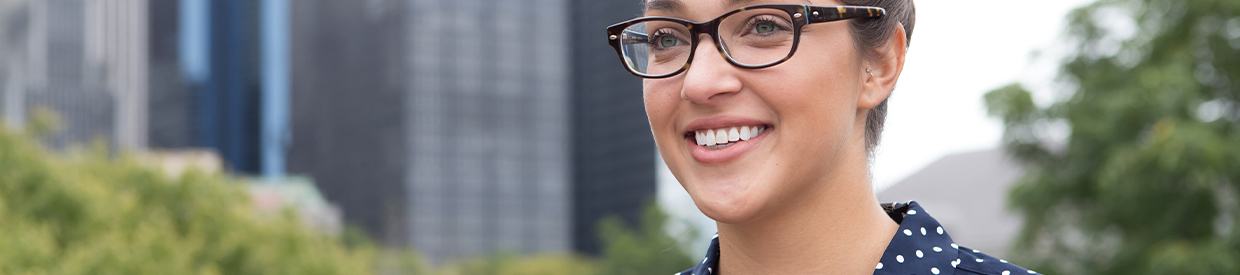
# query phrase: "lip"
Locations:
[[731, 152]]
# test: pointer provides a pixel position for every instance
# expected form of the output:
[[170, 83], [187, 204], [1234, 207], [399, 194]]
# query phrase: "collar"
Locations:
[[919, 246]]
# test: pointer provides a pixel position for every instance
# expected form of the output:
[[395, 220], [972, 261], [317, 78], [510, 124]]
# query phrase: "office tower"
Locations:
[[613, 153], [348, 110], [205, 61], [489, 122], [168, 104], [85, 61], [466, 128]]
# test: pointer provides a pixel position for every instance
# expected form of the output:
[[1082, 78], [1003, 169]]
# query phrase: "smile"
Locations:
[[722, 142], [722, 137]]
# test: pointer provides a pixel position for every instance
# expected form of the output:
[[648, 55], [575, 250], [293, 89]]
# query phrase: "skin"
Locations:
[[800, 199]]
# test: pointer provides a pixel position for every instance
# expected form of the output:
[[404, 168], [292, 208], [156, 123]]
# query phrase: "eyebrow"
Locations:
[[663, 5], [676, 5]]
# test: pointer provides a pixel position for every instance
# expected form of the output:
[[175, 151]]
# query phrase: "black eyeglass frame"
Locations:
[[817, 14]]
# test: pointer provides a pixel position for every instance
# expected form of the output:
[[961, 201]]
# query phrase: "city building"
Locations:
[[210, 84], [85, 62], [348, 110], [613, 155], [220, 60], [432, 124], [467, 128]]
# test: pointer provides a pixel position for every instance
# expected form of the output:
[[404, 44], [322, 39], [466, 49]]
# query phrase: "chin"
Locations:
[[734, 193], [729, 201], [728, 214]]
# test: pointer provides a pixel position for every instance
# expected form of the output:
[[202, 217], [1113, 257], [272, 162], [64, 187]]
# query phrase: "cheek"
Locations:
[[815, 97], [816, 93], [660, 99]]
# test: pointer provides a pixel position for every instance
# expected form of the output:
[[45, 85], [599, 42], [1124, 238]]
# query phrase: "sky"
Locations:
[[960, 50]]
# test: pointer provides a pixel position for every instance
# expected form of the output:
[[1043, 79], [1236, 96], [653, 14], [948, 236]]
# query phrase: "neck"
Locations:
[[839, 228]]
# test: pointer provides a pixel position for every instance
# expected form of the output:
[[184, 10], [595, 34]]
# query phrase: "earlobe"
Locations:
[[871, 89], [873, 92], [884, 70]]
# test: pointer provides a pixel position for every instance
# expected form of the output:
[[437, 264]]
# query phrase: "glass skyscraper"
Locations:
[[466, 128], [84, 61], [489, 124]]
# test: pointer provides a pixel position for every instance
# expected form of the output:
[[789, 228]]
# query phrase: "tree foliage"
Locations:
[[646, 249], [91, 214], [1146, 180], [512, 264]]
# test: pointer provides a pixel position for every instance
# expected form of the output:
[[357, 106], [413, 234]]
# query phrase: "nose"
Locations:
[[710, 77]]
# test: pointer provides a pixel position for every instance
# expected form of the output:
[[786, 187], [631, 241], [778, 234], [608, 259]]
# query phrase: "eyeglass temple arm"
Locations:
[[836, 13]]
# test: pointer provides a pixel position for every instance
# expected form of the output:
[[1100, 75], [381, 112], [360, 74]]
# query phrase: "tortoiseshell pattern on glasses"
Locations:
[[815, 14]]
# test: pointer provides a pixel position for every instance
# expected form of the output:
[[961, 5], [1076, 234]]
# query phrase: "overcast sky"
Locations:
[[959, 51]]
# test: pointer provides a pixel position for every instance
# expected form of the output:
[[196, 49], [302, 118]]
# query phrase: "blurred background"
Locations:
[[504, 137]]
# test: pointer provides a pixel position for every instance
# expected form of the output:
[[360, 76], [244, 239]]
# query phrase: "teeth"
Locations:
[[723, 136], [710, 138]]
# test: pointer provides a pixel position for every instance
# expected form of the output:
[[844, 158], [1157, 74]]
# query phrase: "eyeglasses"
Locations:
[[752, 37]]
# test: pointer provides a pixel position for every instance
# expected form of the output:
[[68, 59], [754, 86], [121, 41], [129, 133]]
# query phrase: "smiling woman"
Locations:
[[767, 112]]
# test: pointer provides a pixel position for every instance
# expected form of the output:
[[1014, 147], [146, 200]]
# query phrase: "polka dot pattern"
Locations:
[[920, 246]]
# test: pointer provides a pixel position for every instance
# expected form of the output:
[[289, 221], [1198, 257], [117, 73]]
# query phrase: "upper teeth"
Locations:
[[725, 135]]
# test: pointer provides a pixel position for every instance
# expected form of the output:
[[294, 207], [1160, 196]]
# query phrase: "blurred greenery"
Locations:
[[87, 211], [1144, 173], [512, 264], [87, 214], [648, 249]]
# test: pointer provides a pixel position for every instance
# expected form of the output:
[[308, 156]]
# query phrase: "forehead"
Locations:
[[683, 5], [703, 9]]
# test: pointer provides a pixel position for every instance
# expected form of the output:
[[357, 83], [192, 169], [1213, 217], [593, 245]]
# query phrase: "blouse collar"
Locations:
[[920, 246]]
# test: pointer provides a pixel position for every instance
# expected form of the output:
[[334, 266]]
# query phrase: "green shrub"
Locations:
[[88, 213]]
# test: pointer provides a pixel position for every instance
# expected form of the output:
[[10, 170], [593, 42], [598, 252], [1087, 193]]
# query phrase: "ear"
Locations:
[[884, 68]]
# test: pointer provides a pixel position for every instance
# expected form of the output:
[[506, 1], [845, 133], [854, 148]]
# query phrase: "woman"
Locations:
[[767, 113]]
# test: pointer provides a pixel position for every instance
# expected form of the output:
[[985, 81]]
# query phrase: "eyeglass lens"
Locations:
[[754, 37]]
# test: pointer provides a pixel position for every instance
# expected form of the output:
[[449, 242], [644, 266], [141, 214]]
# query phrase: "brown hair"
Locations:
[[872, 34]]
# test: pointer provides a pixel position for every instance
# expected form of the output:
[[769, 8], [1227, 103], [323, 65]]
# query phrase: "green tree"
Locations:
[[1146, 181], [87, 213], [513, 264], [646, 249]]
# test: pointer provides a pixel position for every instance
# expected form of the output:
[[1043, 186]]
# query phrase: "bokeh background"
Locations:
[[504, 137]]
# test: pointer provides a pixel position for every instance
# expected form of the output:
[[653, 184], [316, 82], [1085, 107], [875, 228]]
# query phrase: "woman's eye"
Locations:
[[667, 41], [766, 27]]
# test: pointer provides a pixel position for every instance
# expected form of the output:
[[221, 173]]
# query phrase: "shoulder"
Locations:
[[922, 245], [972, 261]]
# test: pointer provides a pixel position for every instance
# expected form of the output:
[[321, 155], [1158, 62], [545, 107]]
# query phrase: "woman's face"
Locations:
[[807, 111]]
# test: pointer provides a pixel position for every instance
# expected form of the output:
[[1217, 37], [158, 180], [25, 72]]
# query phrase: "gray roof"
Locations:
[[967, 193]]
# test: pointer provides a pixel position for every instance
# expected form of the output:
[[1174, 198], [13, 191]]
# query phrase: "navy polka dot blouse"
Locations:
[[920, 246]]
